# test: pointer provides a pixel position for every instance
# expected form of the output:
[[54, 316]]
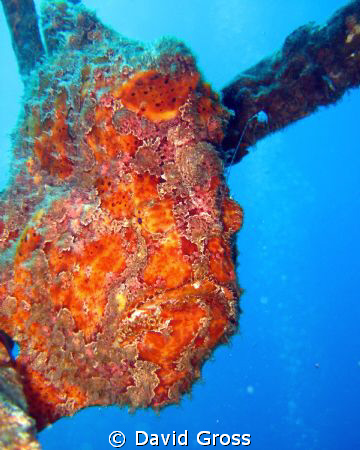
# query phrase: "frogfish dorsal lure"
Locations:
[[117, 273]]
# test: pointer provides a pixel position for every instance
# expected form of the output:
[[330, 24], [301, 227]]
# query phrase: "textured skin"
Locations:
[[117, 272]]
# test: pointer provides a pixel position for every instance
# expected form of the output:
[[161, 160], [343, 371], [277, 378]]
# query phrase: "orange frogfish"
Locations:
[[117, 274]]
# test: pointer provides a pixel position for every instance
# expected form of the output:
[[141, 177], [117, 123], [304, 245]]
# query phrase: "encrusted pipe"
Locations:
[[315, 67], [23, 25]]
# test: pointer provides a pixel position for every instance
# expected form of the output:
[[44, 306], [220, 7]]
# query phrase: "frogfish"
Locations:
[[117, 231]]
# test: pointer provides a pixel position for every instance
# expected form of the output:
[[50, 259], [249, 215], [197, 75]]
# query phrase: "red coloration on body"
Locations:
[[118, 276]]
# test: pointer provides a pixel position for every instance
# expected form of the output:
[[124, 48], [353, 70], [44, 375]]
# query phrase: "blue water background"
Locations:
[[290, 377]]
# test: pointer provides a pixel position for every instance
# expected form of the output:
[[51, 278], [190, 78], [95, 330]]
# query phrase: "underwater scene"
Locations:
[[152, 306]]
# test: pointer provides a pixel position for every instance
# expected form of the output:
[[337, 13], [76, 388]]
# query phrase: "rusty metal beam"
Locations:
[[17, 428], [315, 67], [23, 25]]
